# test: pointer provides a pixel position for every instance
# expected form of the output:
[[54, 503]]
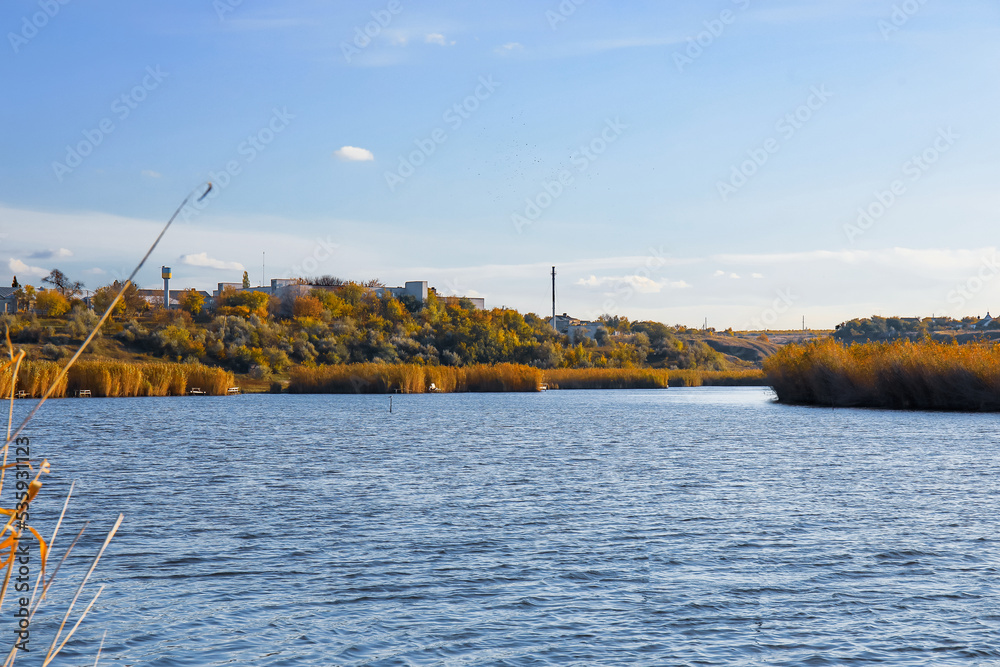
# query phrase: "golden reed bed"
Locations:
[[373, 378], [118, 379], [898, 375]]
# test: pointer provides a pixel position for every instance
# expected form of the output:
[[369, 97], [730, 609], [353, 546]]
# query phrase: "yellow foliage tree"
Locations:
[[51, 303]]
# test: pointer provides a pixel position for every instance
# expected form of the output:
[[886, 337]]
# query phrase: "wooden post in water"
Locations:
[[390, 405]]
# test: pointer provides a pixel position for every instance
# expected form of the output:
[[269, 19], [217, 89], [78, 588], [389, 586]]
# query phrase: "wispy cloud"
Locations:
[[60, 253], [508, 48], [439, 39], [202, 259], [641, 284], [354, 154], [150, 173]]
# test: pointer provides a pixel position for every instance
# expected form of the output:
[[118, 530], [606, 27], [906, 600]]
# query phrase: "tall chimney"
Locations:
[[554, 298], [167, 275]]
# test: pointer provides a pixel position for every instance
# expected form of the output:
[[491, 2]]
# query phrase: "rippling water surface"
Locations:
[[702, 526]]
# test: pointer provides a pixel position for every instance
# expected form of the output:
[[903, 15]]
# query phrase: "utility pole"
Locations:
[[554, 298]]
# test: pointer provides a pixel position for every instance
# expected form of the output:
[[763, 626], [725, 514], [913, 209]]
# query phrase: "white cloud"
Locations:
[[509, 47], [720, 273], [61, 253], [151, 173], [354, 154], [756, 275], [202, 259], [439, 39], [17, 266], [95, 271], [641, 284]]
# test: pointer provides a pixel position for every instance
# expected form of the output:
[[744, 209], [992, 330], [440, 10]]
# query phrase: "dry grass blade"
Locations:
[[100, 648], [35, 604], [52, 542], [53, 651], [53, 655]]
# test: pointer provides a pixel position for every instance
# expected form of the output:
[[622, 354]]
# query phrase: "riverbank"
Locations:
[[900, 375]]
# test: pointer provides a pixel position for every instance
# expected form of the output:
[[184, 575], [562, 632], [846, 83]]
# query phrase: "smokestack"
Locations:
[[167, 275], [554, 298]]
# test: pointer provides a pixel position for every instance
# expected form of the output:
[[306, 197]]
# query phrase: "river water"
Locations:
[[698, 526]]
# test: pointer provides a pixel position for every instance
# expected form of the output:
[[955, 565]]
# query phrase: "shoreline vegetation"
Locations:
[[115, 379], [900, 375], [112, 378], [377, 378]]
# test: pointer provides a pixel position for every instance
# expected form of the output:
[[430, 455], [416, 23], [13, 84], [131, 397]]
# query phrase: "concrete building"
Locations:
[[154, 297], [282, 286], [415, 288], [477, 301], [8, 302], [577, 328]]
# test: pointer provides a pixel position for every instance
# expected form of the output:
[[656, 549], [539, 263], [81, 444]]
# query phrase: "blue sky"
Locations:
[[675, 160]]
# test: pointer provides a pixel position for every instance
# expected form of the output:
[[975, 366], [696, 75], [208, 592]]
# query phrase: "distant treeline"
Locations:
[[886, 328], [901, 375], [262, 334]]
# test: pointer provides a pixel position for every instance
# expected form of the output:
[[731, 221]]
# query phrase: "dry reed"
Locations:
[[380, 378], [375, 378], [646, 378], [109, 378], [898, 375]]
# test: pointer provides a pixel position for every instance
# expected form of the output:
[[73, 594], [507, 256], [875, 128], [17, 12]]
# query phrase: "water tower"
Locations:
[[166, 275]]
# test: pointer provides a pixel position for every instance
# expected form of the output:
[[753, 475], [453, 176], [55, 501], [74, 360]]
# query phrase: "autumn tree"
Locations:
[[192, 301], [243, 304], [130, 304], [246, 280], [51, 303], [307, 306], [25, 297], [325, 281], [66, 287]]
